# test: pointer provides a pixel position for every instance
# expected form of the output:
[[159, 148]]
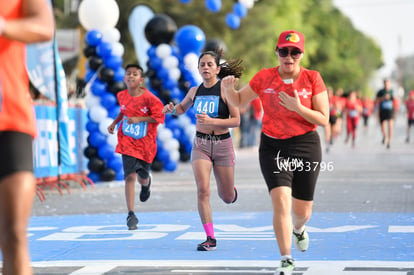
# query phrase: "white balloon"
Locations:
[[98, 14], [247, 3], [171, 145], [112, 139], [174, 74], [174, 155], [191, 61], [165, 134], [98, 113], [118, 49], [91, 100], [103, 125], [111, 35], [183, 121], [163, 51], [170, 62], [190, 130]]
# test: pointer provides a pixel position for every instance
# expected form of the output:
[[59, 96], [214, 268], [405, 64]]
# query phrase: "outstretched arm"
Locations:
[[237, 98], [36, 25]]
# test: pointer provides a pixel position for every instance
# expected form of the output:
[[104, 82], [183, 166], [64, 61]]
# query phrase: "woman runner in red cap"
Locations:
[[295, 102]]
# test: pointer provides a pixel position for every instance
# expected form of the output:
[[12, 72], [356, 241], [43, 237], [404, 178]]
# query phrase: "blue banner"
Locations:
[[46, 143]]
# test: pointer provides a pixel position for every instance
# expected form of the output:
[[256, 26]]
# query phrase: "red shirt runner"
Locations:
[[279, 122]]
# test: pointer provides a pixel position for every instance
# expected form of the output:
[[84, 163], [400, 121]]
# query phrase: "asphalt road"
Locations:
[[367, 178]]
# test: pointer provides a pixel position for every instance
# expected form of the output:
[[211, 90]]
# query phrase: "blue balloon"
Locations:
[[98, 87], [188, 146], [92, 126], [213, 5], [93, 38], [119, 74], [106, 151], [108, 100], [114, 111], [190, 38], [155, 63], [239, 9], [163, 156], [115, 163], [113, 62], [89, 75], [170, 84], [119, 175], [104, 49], [233, 21], [97, 139], [175, 93], [170, 166], [152, 52], [94, 176], [163, 73], [177, 134]]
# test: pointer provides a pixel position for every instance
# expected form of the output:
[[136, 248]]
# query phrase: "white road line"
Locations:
[[93, 270]]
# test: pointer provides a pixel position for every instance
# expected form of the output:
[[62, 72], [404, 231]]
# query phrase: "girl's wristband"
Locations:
[[174, 111]]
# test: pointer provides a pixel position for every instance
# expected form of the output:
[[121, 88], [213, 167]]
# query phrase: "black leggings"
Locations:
[[16, 153], [293, 162]]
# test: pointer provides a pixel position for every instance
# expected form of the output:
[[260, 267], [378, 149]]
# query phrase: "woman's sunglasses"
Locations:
[[284, 52]]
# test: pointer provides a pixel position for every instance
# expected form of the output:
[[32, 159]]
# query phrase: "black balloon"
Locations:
[[156, 83], [94, 62], [157, 166], [215, 44], [106, 74], [90, 152], [116, 87], [96, 164], [160, 29], [89, 51], [165, 95], [108, 174]]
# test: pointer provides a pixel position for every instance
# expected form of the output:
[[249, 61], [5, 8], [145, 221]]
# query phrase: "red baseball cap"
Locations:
[[291, 38]]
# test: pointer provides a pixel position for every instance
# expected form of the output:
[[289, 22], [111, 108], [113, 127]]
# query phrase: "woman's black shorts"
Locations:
[[16, 153], [293, 162]]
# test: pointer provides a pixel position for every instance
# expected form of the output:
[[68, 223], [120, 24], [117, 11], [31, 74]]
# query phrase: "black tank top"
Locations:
[[209, 101]]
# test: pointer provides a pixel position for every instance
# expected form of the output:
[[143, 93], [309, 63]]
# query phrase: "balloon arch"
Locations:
[[172, 58]]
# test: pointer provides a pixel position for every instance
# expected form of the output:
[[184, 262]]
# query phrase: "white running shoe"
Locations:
[[301, 240], [286, 267]]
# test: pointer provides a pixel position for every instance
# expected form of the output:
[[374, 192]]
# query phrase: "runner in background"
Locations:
[[367, 109], [331, 132], [409, 105], [386, 112], [21, 22], [353, 109]]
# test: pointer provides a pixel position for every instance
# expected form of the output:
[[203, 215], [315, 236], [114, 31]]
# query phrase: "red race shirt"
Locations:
[[410, 108], [279, 122], [16, 106], [146, 104]]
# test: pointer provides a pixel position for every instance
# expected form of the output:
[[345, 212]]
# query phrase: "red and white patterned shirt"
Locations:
[[279, 122], [146, 104]]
